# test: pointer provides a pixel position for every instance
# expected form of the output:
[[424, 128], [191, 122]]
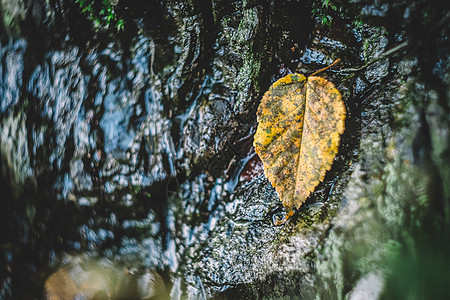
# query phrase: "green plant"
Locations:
[[103, 13], [323, 11]]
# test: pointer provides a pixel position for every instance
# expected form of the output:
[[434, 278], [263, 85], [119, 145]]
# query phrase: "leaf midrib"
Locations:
[[301, 139]]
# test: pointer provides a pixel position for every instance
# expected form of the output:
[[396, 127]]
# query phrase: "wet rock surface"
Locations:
[[133, 151]]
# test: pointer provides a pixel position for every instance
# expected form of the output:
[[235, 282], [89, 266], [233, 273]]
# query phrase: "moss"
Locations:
[[243, 40], [11, 13], [248, 75]]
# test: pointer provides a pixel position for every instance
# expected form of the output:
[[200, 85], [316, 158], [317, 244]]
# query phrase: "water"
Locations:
[[99, 140]]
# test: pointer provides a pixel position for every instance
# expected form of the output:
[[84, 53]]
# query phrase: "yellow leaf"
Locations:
[[300, 121]]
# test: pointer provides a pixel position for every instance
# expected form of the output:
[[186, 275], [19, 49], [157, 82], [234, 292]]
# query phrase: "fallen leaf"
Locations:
[[300, 121]]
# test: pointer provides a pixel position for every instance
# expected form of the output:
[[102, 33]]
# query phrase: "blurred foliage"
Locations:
[[324, 10], [103, 13]]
